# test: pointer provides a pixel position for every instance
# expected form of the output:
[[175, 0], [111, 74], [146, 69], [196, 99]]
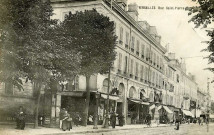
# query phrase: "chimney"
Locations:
[[158, 38], [122, 4], [144, 25], [171, 56], [133, 11], [183, 67], [153, 31]]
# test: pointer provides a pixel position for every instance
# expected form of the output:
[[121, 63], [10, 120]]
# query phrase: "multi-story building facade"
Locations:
[[137, 70], [186, 88], [143, 78], [201, 103]]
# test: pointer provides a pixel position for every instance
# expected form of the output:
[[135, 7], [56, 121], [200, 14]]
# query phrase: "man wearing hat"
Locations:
[[62, 112], [177, 121]]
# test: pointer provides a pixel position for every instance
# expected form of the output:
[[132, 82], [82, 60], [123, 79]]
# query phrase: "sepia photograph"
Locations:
[[106, 67]]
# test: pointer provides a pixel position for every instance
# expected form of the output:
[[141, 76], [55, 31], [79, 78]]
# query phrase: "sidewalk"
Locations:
[[29, 130]]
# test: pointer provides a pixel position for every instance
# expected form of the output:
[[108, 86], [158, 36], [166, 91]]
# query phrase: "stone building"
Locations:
[[137, 71], [144, 79]]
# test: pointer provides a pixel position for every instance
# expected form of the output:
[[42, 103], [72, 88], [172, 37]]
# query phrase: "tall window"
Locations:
[[157, 77], [121, 35], [143, 50], [153, 79], [72, 84], [125, 64], [132, 47], [157, 60], [115, 26], [151, 56], [136, 71], [127, 39], [154, 58], [145, 75], [160, 80], [8, 88], [147, 53], [119, 61], [141, 72], [131, 66], [138, 47]]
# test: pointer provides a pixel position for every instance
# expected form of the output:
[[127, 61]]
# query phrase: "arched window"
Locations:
[[151, 99], [121, 88], [105, 86], [132, 92]]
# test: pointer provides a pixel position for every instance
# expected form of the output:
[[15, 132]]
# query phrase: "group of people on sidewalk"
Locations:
[[66, 120]]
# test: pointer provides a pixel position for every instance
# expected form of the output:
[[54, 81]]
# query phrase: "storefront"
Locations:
[[133, 111], [166, 115], [187, 115]]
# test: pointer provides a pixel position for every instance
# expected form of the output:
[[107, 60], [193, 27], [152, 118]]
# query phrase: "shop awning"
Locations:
[[144, 103], [139, 102], [152, 107], [188, 113], [198, 113], [159, 107], [211, 116], [110, 97], [135, 101], [167, 109]]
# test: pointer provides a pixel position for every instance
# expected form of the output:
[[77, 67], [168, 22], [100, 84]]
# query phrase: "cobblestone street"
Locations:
[[192, 129], [185, 129]]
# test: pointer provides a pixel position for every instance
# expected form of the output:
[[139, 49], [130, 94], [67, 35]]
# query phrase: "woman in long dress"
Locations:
[[65, 123]]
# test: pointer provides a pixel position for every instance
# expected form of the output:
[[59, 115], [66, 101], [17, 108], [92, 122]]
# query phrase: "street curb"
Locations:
[[103, 130]]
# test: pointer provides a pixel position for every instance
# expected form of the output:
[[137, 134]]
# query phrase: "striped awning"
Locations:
[[110, 97], [187, 113], [152, 107], [167, 109]]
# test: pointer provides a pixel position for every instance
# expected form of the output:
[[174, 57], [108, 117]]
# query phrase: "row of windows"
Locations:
[[138, 71], [143, 52]]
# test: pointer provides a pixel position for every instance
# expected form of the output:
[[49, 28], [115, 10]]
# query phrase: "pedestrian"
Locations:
[[66, 121], [121, 119], [20, 118], [177, 121], [77, 119], [199, 121], [113, 119], [148, 120], [156, 116], [61, 114]]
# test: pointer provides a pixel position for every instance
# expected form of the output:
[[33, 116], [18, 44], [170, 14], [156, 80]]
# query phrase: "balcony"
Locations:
[[186, 96], [119, 71], [137, 53], [125, 73], [132, 49], [136, 78], [126, 46], [142, 56], [120, 42], [147, 59]]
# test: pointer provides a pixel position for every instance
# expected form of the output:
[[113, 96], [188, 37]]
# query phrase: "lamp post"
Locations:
[[97, 95], [107, 105]]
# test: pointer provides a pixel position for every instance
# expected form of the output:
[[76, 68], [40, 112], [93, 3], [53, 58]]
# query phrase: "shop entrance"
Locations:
[[75, 107]]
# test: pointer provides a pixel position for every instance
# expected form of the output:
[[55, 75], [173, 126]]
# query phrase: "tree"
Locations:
[[203, 16], [28, 48], [92, 35]]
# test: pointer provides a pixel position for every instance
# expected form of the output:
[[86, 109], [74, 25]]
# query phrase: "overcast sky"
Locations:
[[182, 37]]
